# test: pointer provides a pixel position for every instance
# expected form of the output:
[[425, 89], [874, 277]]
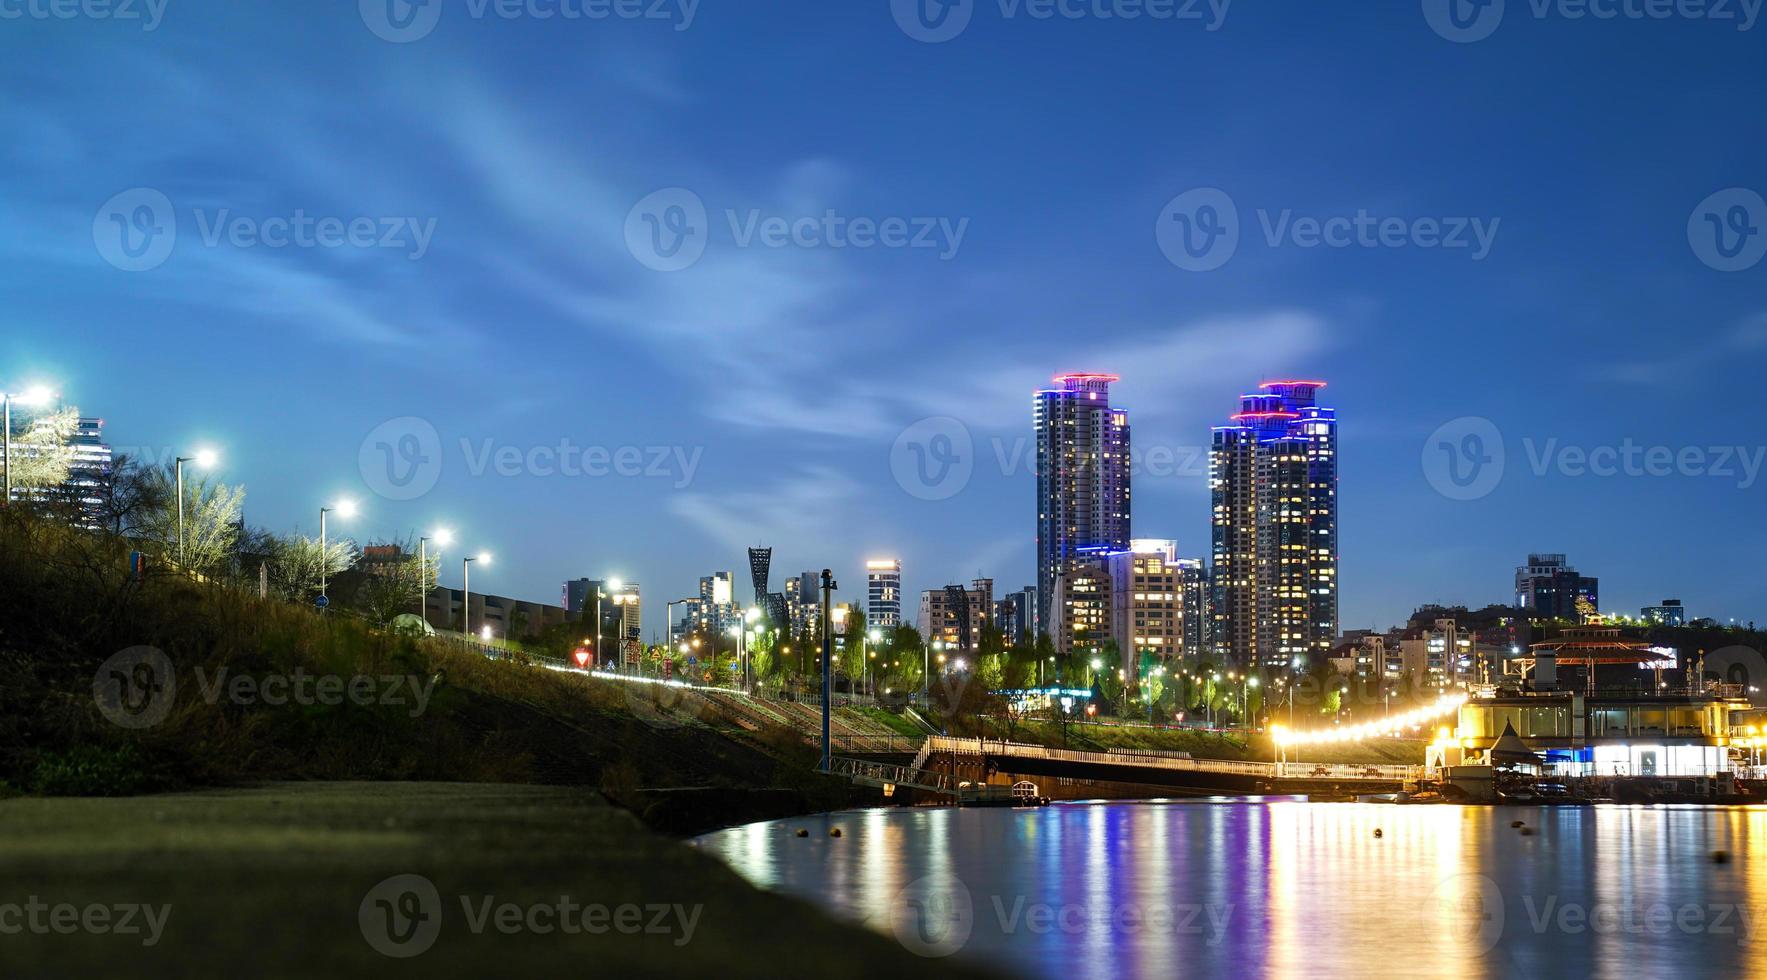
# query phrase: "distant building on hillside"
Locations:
[[1670, 613], [1547, 587]]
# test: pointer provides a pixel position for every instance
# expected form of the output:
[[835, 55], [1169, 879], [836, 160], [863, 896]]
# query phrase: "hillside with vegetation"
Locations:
[[244, 703]]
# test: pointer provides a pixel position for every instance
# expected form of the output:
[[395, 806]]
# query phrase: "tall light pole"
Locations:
[[926, 672], [344, 508], [204, 458], [872, 638], [29, 398], [466, 589], [443, 537]]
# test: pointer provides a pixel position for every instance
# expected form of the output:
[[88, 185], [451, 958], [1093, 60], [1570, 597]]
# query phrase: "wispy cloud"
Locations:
[[1746, 338]]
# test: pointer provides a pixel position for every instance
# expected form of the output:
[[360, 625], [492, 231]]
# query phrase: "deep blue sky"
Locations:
[[528, 321]]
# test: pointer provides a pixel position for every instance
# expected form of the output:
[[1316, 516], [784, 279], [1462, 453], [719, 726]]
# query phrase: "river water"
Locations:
[[1218, 889]]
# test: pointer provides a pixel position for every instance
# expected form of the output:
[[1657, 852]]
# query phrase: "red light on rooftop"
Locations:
[[1265, 415], [1081, 376], [1292, 384]]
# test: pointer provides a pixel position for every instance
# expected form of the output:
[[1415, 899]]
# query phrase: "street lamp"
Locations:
[[344, 508], [443, 537], [32, 397], [927, 670], [204, 458], [466, 589], [872, 638]]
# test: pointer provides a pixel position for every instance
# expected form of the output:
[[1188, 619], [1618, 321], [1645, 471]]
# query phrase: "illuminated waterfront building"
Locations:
[[1082, 481], [883, 593], [1273, 478]]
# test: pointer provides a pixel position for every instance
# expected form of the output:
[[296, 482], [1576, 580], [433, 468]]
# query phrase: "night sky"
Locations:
[[513, 283]]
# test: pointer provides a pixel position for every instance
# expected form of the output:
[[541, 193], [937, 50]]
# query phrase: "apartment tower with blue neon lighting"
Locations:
[[1082, 481], [1273, 476]]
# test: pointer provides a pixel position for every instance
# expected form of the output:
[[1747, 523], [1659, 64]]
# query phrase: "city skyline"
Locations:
[[502, 333], [861, 571]]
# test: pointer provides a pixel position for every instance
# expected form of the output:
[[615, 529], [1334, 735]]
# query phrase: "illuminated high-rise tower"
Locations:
[[1273, 476], [1082, 482]]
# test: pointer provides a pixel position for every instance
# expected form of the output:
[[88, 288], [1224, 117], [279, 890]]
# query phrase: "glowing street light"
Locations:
[[466, 591], [35, 396], [204, 458], [345, 509], [443, 537]]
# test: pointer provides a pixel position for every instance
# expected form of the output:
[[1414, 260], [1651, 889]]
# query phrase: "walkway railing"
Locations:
[[1173, 762], [860, 770]]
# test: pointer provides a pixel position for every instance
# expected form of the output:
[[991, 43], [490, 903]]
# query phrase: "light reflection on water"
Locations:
[[1288, 889]]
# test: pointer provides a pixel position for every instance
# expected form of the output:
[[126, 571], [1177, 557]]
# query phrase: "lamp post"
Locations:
[[444, 538], [466, 590], [30, 398], [344, 508], [872, 638], [926, 672], [204, 458]]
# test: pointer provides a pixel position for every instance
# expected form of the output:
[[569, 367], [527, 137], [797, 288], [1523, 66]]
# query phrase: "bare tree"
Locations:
[[126, 496], [42, 450], [211, 520], [296, 563]]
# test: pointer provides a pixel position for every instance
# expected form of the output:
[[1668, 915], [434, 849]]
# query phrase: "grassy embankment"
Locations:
[[276, 881], [71, 605]]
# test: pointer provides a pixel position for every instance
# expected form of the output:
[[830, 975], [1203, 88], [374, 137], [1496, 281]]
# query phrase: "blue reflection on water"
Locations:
[[1288, 888]]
